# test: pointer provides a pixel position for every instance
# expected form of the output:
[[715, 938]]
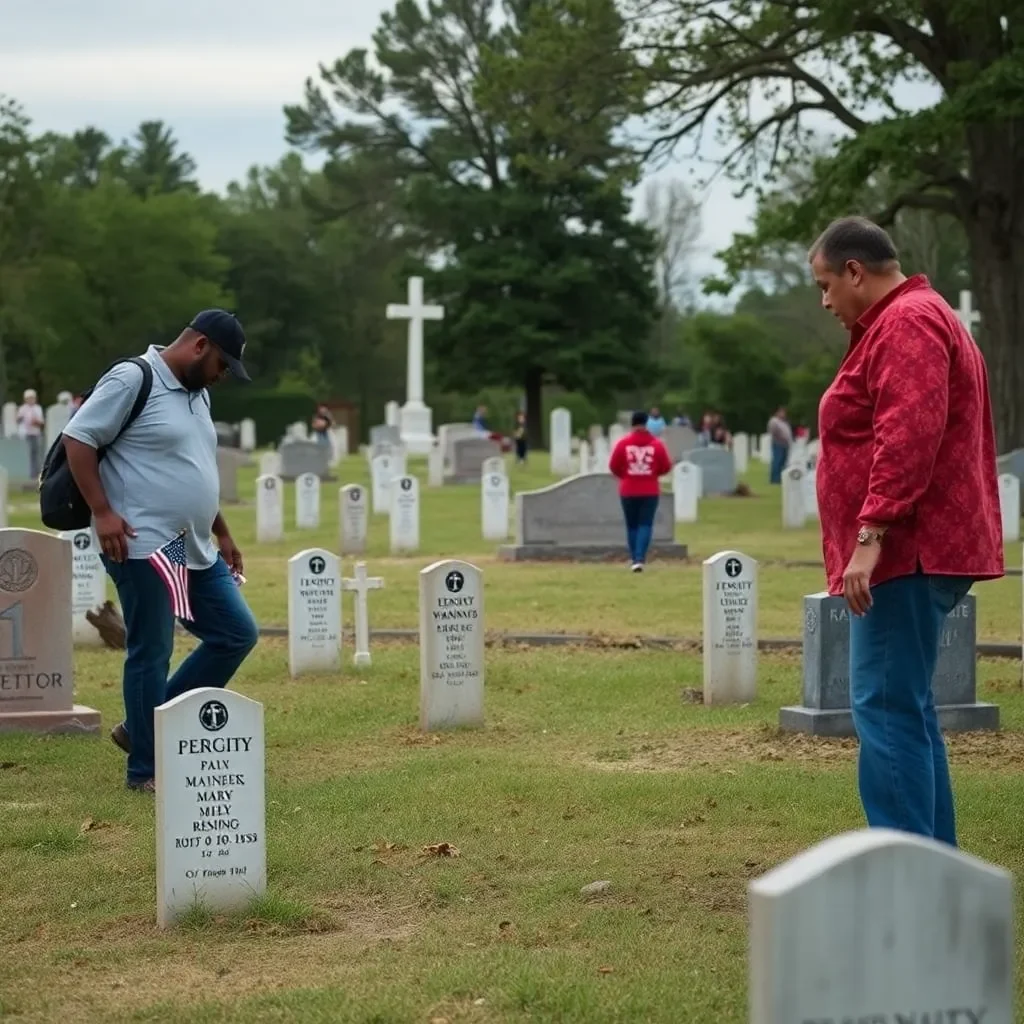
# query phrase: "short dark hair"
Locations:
[[639, 419], [855, 238]]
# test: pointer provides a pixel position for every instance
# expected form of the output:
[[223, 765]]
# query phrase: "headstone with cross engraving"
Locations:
[[405, 515], [686, 486], [730, 628], [314, 612], [882, 927], [1009, 506], [451, 646], [89, 585], [794, 510], [36, 664], [307, 501], [494, 501], [360, 585], [353, 515], [269, 509], [211, 842], [382, 471]]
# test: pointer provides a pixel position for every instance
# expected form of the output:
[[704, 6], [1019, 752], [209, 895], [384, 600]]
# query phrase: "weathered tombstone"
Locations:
[[393, 414], [382, 469], [882, 927], [301, 456], [447, 433], [451, 646], [228, 461], [435, 465], [1009, 506], [300, 431], [825, 710], [685, 491], [37, 680], [741, 452], [353, 514], [399, 461], [307, 501], [718, 471], [494, 502], [580, 520], [794, 513], [586, 458], [211, 843], [270, 464], [495, 464], [602, 454], [339, 444], [10, 419], [405, 515], [561, 442], [730, 628], [616, 432], [314, 612], [765, 451], [1012, 462], [385, 434], [3, 497], [360, 586], [247, 435], [680, 441], [89, 585], [811, 493], [14, 458], [57, 417], [467, 458], [269, 509]]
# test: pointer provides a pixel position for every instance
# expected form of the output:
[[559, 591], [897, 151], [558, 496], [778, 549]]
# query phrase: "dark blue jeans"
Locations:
[[639, 513], [779, 455], [902, 769], [223, 623]]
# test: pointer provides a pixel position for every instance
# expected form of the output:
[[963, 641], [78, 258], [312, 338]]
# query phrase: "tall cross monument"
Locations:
[[416, 428]]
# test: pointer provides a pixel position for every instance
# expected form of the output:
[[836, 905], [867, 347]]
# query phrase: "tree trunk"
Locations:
[[534, 387]]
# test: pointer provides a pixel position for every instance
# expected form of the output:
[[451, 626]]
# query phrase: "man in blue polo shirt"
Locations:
[[159, 479]]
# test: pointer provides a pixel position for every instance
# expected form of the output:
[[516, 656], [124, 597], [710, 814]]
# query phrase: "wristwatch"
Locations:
[[866, 536]]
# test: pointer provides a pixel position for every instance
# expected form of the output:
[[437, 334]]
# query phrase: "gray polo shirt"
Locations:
[[161, 475]]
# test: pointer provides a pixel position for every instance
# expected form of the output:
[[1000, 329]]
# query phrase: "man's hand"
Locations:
[[857, 578], [229, 551], [113, 533]]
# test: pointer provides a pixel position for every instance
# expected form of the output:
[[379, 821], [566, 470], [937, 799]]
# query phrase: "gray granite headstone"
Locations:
[[14, 457], [467, 458], [298, 457], [228, 461], [825, 710], [385, 434], [678, 440], [719, 468], [580, 519], [228, 435], [1013, 462]]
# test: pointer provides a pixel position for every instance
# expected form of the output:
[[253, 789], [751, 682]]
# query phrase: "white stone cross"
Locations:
[[361, 585], [969, 316], [415, 312]]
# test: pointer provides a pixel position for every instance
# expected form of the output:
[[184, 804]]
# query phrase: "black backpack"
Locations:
[[60, 501]]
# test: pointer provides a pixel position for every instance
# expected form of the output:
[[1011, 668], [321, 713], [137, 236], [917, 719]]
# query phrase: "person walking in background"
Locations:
[[31, 422], [781, 434], [639, 460], [655, 421], [321, 425], [909, 505], [480, 420], [520, 438]]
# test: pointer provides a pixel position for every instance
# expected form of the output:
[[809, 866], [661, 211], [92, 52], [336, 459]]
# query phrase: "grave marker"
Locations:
[[57, 417], [1009, 506], [269, 509], [494, 500], [88, 585], [794, 513], [741, 452], [561, 442], [468, 455], [211, 844], [494, 464], [718, 470], [3, 497], [10, 419], [730, 628], [685, 491], [393, 414], [602, 454], [451, 646], [247, 435], [353, 514], [381, 471], [405, 515], [435, 465], [586, 459], [300, 456], [270, 464], [360, 586], [314, 612], [810, 494], [307, 501]]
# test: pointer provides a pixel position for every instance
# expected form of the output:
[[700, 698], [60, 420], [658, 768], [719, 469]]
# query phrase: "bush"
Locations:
[[272, 411]]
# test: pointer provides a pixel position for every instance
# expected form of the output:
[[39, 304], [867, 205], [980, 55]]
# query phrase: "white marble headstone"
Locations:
[[314, 612], [360, 586], [764, 451], [561, 442], [211, 843], [435, 465], [741, 452], [730, 628], [393, 414], [270, 464], [269, 509], [10, 419], [307, 501], [382, 469], [1009, 506], [794, 510], [685, 491], [882, 927], [811, 493], [494, 464], [494, 500], [602, 454], [57, 417], [353, 515], [88, 585], [451, 646], [247, 435], [616, 432], [339, 444], [586, 458], [405, 515]]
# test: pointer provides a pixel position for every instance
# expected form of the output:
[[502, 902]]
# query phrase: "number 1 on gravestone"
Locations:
[[14, 616]]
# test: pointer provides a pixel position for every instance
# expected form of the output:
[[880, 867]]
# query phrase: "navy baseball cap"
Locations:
[[223, 330]]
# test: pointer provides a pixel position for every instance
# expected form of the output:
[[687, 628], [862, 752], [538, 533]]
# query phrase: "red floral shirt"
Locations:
[[907, 441]]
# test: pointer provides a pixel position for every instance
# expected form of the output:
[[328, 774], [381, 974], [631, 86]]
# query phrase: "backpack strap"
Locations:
[[144, 389]]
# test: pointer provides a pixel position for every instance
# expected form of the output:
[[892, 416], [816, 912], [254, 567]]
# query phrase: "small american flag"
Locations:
[[172, 567]]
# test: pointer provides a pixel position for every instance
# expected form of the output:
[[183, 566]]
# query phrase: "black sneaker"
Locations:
[[120, 738]]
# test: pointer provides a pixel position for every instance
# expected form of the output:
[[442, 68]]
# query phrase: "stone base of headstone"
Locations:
[[80, 720], [586, 552], [417, 430], [952, 718]]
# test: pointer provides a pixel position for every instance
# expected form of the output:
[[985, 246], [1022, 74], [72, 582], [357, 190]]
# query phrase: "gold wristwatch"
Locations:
[[867, 536]]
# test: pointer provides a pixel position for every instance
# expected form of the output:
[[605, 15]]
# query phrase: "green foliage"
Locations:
[[806, 384], [272, 411]]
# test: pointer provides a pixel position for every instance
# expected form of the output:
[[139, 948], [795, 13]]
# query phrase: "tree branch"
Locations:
[[917, 199]]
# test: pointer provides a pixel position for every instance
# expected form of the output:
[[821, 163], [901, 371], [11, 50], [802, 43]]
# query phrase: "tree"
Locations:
[[151, 162], [772, 71]]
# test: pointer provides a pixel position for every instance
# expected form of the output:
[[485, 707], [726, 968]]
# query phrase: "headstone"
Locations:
[[393, 414], [494, 499], [680, 441], [811, 493], [602, 454], [3, 497], [247, 435], [300, 431], [382, 471], [561, 442], [446, 435], [586, 459], [435, 465], [882, 927], [36, 662], [385, 435], [10, 419], [468, 455], [314, 612], [211, 842], [360, 586], [1009, 506], [228, 461], [594, 431], [353, 513], [797, 455], [495, 464], [969, 316], [451, 646], [825, 710], [579, 520], [339, 444], [88, 585], [269, 509], [229, 435], [730, 628], [298, 457], [14, 458], [270, 464], [616, 432], [307, 501], [405, 515], [685, 491], [741, 452], [794, 513], [57, 417], [765, 450], [718, 470]]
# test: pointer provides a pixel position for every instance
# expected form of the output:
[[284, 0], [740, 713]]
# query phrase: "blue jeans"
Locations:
[[779, 455], [223, 623], [902, 768], [639, 513]]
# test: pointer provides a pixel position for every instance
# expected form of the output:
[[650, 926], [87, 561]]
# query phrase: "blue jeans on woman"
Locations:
[[902, 769], [639, 513], [780, 453], [223, 622]]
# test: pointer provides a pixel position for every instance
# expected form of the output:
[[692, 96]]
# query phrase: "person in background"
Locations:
[[655, 421], [321, 425], [781, 434], [704, 434], [31, 421], [718, 432], [639, 460], [480, 419], [680, 419], [909, 503], [520, 438]]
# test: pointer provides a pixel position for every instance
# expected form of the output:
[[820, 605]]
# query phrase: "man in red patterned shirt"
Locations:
[[909, 507]]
